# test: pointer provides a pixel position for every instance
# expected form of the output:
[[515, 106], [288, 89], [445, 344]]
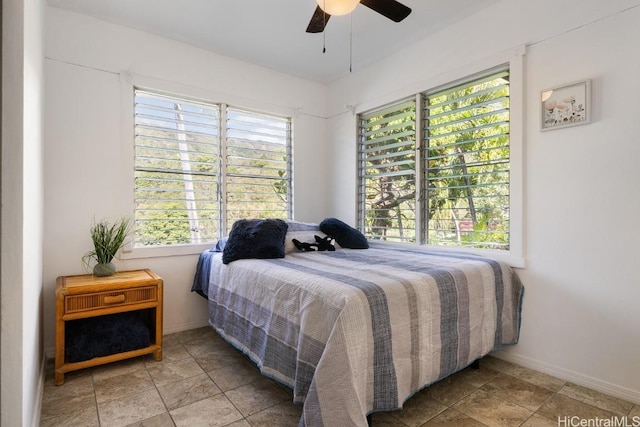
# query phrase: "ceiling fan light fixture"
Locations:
[[337, 7]]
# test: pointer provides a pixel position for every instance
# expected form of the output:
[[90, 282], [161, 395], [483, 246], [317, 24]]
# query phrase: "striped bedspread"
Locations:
[[360, 331]]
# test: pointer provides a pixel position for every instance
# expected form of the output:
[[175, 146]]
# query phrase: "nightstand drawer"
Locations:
[[79, 303]]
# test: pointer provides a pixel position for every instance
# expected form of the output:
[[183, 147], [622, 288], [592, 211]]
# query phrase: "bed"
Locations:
[[355, 331]]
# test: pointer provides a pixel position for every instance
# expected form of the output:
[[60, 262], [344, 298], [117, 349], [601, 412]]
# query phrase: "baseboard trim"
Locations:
[[37, 411], [49, 353], [574, 377]]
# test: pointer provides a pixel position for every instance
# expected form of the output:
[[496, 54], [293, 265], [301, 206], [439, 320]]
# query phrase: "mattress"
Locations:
[[359, 331]]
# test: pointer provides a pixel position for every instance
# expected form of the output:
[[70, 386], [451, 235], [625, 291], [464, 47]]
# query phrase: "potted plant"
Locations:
[[107, 241]]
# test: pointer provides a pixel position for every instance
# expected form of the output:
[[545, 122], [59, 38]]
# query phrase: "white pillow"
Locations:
[[301, 226]]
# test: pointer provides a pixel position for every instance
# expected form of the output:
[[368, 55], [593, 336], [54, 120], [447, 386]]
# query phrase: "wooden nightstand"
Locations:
[[88, 296]]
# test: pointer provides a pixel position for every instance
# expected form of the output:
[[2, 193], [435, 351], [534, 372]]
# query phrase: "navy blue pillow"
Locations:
[[345, 235], [255, 238]]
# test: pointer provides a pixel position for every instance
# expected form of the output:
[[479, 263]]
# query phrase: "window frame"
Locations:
[[129, 83], [512, 60]]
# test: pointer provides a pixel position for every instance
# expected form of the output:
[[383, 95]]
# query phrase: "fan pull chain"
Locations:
[[324, 26]]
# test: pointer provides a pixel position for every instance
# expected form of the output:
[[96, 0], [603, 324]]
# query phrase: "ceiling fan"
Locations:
[[389, 8]]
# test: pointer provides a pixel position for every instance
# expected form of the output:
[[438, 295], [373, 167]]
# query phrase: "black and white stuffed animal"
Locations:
[[321, 244]]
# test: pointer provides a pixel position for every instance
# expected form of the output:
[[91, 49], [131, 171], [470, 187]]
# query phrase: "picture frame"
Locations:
[[565, 106]]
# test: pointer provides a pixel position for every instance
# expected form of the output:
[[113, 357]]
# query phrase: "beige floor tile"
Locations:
[[131, 409], [184, 336], [122, 385], [87, 417], [76, 394], [75, 376], [386, 419], [563, 406], [213, 411], [256, 396], [217, 385], [233, 376], [514, 390], [536, 420], [219, 358], [492, 411], [170, 354], [449, 390], [240, 423], [419, 409], [162, 420], [597, 399], [187, 391], [450, 418], [496, 364], [80, 379], [538, 378], [194, 334], [476, 377], [169, 372], [284, 414], [169, 340], [115, 369], [286, 389], [219, 343], [202, 345]]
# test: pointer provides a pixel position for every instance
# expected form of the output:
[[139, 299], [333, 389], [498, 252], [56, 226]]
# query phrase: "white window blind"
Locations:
[[466, 176], [461, 196], [258, 167], [200, 166], [387, 171]]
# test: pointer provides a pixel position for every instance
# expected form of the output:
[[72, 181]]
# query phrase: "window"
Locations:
[[445, 182], [200, 166], [466, 158], [387, 171], [258, 166]]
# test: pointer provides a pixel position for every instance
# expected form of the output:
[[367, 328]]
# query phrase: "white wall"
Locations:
[[22, 206], [581, 319], [86, 147]]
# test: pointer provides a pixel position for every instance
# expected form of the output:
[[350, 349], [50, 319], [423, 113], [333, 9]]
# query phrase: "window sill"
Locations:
[[164, 251]]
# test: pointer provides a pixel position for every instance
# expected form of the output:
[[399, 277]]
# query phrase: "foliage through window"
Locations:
[[388, 172], [201, 166], [460, 154]]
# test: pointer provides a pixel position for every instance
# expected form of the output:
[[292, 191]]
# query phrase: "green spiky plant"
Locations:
[[107, 240]]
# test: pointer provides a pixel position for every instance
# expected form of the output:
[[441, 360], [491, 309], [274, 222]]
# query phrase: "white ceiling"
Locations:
[[272, 33]]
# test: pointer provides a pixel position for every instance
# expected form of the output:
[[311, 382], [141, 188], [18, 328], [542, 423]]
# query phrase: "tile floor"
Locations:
[[203, 381]]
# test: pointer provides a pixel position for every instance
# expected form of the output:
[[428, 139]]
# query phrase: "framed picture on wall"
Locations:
[[565, 106]]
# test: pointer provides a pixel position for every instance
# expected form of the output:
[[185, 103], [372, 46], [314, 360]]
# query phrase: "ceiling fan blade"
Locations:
[[390, 8], [318, 21]]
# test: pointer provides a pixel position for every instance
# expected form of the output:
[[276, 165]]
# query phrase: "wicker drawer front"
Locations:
[[78, 303]]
